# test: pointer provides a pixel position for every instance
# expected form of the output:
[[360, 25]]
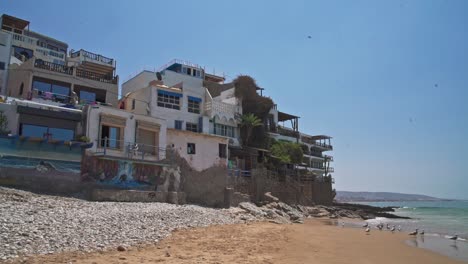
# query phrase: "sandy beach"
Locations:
[[315, 241]]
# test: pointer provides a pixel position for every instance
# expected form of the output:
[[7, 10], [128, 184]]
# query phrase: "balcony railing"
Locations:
[[96, 76], [329, 158], [130, 150], [221, 107], [92, 56], [322, 145], [79, 73], [53, 67], [284, 131], [24, 39]]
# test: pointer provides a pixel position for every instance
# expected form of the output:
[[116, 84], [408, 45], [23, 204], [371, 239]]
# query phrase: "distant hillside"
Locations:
[[344, 196]]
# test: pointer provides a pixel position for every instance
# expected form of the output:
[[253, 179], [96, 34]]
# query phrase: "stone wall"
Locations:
[[286, 188], [200, 187]]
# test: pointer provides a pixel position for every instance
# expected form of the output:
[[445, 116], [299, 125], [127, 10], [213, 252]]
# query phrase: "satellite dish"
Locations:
[[159, 76]]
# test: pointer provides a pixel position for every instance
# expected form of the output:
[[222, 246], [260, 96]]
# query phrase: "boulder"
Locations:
[[252, 209], [270, 198]]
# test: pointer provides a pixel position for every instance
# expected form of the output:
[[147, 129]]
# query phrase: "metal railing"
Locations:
[[327, 157], [53, 67], [323, 145], [92, 56], [95, 76], [286, 131], [131, 150]]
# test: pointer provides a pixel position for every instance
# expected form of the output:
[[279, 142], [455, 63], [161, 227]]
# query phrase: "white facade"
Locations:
[[129, 126], [5, 51], [206, 151]]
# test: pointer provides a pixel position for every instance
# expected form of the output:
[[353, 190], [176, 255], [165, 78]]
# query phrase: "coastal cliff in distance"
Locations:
[[345, 196]]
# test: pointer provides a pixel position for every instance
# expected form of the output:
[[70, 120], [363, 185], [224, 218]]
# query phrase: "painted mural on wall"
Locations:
[[120, 173]]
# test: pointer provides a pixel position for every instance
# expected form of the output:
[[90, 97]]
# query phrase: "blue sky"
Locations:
[[387, 79]]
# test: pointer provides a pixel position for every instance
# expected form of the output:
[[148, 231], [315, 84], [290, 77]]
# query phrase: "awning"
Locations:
[[169, 93], [196, 99], [282, 116]]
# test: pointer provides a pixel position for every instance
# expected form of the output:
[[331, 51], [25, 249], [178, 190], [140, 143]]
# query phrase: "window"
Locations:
[[21, 89], [61, 134], [47, 132], [113, 137], [178, 124], [191, 127], [52, 91], [190, 148], [87, 97], [222, 151], [169, 100], [223, 130], [133, 104], [34, 131], [52, 47], [2, 65], [194, 105]]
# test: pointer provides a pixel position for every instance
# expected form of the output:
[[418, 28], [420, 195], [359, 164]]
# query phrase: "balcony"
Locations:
[[23, 39], [285, 131], [107, 147], [84, 55], [53, 67], [328, 158], [322, 145], [216, 107], [105, 78]]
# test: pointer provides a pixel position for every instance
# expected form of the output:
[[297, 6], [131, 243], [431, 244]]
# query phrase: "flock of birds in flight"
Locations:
[[393, 229]]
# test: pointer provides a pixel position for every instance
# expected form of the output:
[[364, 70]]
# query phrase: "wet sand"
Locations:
[[313, 242]]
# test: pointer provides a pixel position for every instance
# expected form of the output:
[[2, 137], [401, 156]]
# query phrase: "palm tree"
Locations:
[[249, 121]]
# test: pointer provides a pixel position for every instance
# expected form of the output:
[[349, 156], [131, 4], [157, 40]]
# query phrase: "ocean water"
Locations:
[[437, 217], [439, 220]]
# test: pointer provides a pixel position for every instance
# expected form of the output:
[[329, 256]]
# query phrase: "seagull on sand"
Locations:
[[422, 232], [365, 225], [415, 232], [392, 229], [367, 230], [342, 224], [455, 237], [399, 227], [388, 226]]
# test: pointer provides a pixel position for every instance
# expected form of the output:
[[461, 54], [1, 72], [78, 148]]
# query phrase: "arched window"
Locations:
[[21, 89]]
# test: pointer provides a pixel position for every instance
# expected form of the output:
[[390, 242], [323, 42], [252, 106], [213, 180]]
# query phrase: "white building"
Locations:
[[177, 93], [5, 51]]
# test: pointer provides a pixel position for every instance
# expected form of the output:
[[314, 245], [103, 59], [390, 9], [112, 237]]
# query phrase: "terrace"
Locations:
[[78, 72], [87, 56]]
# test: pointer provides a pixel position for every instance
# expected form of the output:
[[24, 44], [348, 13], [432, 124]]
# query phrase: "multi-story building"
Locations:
[[313, 147], [40, 69], [200, 126], [5, 51]]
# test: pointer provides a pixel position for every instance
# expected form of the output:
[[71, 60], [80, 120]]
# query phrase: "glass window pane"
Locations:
[[87, 97], [61, 134], [41, 86], [62, 90], [34, 131], [113, 137]]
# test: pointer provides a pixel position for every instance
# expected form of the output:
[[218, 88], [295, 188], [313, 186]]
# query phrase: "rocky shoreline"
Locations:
[[33, 224]]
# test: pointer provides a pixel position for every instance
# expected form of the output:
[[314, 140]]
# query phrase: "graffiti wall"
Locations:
[[119, 173]]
